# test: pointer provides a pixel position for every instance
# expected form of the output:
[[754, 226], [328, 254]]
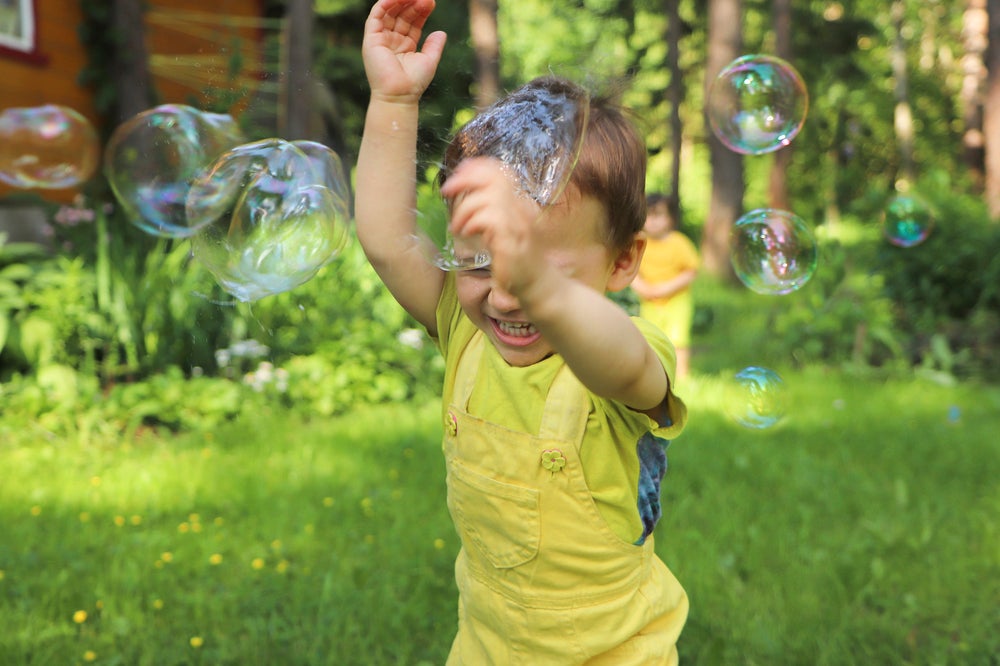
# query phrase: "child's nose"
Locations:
[[502, 300]]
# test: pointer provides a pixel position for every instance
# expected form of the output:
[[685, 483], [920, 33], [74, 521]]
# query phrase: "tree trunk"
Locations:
[[675, 96], [133, 81], [991, 113], [486, 44], [298, 90], [725, 42], [781, 12], [903, 116], [974, 42]]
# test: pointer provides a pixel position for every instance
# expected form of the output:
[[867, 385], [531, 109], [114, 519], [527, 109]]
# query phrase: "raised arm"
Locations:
[[385, 205]]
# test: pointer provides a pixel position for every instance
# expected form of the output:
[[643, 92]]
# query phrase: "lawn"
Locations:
[[863, 529]]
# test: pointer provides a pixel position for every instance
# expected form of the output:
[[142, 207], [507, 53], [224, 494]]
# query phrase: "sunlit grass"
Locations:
[[864, 528], [268, 541]]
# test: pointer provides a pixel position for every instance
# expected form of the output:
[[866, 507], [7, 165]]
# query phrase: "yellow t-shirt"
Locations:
[[514, 397], [666, 258]]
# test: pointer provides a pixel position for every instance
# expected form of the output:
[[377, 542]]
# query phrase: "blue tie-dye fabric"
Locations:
[[652, 452]]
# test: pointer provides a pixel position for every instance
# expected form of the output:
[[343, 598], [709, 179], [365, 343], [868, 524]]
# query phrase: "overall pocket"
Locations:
[[501, 520]]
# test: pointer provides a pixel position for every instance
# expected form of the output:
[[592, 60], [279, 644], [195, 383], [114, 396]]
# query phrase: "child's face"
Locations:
[[658, 222], [572, 237]]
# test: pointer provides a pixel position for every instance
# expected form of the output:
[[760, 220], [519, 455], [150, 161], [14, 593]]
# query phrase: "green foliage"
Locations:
[[339, 30], [138, 334], [841, 316], [16, 269], [113, 302], [947, 289]]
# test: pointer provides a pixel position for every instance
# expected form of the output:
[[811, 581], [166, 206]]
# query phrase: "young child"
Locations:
[[669, 266], [555, 400]]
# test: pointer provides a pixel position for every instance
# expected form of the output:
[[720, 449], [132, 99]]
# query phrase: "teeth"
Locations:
[[521, 330]]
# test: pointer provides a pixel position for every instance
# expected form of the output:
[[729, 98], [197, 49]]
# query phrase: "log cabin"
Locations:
[[195, 50]]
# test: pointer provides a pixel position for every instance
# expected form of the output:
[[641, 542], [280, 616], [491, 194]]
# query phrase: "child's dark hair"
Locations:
[[612, 162], [657, 198]]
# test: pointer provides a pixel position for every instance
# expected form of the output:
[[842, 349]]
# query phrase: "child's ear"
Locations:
[[626, 265]]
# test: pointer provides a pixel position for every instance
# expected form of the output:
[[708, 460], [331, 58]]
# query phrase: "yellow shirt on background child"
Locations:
[[666, 258]]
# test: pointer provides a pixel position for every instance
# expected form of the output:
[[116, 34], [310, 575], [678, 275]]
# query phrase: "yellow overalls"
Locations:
[[542, 578]]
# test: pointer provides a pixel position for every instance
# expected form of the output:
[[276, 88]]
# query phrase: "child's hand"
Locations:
[[396, 70], [488, 210]]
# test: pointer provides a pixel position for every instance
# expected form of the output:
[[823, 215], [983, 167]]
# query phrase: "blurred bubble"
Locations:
[[757, 104], [269, 215], [536, 132], [773, 251], [151, 159], [49, 147], [907, 221], [755, 397]]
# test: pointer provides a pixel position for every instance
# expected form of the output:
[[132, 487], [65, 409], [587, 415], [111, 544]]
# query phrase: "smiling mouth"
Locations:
[[516, 334]]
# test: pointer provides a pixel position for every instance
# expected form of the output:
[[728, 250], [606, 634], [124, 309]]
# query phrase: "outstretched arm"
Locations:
[[651, 290], [385, 206]]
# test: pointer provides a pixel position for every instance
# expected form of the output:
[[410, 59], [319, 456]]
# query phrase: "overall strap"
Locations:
[[468, 368], [566, 408]]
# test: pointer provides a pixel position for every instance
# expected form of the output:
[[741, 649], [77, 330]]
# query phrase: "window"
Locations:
[[18, 30]]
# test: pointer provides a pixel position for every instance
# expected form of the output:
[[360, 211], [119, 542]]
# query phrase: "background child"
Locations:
[[663, 285], [554, 399]]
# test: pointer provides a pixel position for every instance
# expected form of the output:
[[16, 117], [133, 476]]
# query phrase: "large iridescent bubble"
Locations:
[[48, 147], [152, 158], [536, 132], [757, 104], [773, 251], [755, 397], [907, 221], [269, 215]]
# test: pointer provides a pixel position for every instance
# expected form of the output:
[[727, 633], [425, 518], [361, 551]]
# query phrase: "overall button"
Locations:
[[553, 460]]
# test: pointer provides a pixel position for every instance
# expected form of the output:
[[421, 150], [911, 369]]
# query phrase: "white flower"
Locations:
[[222, 357], [411, 337]]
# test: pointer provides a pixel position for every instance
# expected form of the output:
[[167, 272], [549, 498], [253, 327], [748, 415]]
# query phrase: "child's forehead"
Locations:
[[574, 219]]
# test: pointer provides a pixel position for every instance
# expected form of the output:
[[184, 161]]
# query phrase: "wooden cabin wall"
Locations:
[[52, 79]]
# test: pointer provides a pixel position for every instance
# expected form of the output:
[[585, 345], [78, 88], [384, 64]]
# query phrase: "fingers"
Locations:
[[475, 191], [472, 173], [403, 17], [396, 70], [434, 45]]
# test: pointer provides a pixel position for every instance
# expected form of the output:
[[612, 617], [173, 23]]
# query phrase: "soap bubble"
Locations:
[[48, 147], [757, 104], [269, 215], [151, 159], [907, 221], [755, 397], [773, 251], [536, 132]]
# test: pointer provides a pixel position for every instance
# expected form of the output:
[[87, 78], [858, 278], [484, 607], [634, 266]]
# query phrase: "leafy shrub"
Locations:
[[840, 315], [947, 289], [147, 338]]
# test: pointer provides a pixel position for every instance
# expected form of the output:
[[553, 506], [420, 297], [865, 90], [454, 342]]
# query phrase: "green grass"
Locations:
[[863, 529], [272, 541]]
